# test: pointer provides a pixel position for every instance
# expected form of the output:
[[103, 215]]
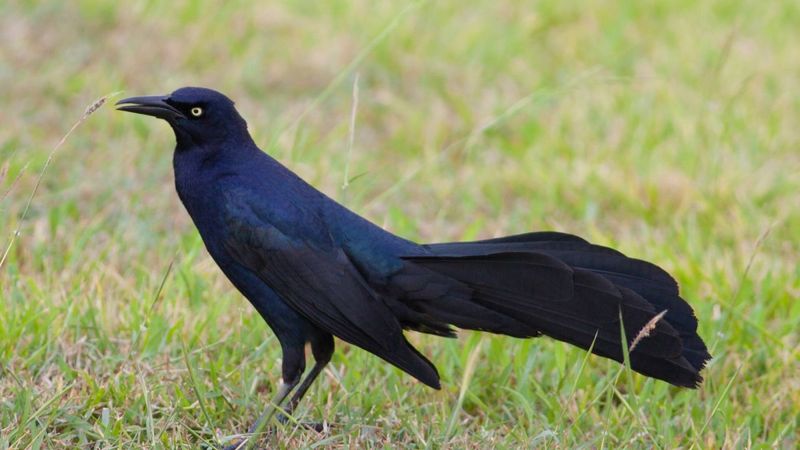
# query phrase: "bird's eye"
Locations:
[[196, 111]]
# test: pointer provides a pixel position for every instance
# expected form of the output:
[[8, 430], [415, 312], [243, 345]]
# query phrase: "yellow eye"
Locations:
[[197, 111]]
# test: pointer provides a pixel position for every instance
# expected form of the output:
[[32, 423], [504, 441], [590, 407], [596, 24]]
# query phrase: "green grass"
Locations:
[[669, 130]]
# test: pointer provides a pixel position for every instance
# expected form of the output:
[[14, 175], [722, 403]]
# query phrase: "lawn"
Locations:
[[667, 129]]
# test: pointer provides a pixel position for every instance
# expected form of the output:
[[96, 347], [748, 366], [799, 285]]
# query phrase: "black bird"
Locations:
[[314, 269]]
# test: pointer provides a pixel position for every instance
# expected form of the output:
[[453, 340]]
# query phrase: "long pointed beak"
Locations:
[[151, 105]]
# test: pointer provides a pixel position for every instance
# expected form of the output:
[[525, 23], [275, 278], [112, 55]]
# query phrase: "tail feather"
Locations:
[[649, 280], [562, 286]]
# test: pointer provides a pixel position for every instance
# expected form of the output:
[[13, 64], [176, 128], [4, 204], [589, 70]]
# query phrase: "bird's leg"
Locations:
[[322, 349], [301, 391], [294, 363]]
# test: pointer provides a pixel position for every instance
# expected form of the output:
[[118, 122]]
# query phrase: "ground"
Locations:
[[667, 129]]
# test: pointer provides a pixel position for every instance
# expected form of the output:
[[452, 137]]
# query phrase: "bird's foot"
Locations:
[[319, 427], [239, 444], [285, 421], [241, 441]]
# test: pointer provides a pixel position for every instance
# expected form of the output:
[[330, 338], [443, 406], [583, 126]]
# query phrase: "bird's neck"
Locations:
[[232, 139], [199, 167]]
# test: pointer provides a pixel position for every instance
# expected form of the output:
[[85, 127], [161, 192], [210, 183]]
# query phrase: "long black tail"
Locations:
[[564, 287]]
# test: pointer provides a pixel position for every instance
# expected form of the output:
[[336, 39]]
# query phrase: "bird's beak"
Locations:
[[152, 105]]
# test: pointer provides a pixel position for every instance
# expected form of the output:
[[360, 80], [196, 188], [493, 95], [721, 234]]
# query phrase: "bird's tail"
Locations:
[[564, 287]]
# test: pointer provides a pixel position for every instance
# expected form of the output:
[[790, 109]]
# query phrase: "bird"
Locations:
[[314, 270]]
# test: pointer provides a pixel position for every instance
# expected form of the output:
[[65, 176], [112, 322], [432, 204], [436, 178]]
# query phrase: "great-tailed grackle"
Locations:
[[314, 269]]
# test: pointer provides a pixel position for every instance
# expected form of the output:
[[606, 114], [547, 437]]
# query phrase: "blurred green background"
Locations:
[[667, 129]]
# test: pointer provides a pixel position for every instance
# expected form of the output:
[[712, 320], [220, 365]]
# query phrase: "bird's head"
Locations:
[[199, 116]]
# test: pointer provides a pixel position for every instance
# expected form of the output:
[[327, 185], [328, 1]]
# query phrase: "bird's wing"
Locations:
[[321, 283]]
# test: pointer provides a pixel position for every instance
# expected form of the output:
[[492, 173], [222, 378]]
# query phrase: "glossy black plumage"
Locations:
[[313, 269]]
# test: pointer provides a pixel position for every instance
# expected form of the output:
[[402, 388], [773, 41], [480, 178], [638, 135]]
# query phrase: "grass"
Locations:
[[665, 129]]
